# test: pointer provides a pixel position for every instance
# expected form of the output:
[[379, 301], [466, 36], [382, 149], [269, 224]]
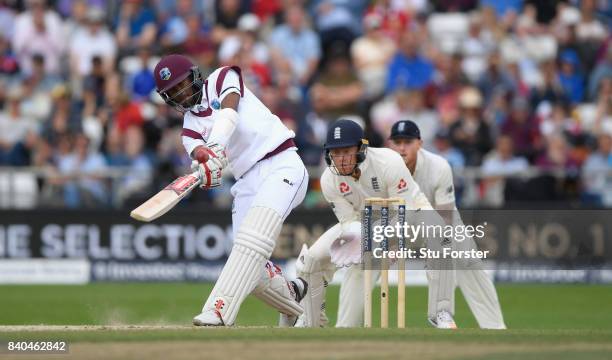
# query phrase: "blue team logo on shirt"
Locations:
[[215, 104]]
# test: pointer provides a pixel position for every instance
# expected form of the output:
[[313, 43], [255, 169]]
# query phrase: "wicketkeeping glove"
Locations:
[[346, 250]]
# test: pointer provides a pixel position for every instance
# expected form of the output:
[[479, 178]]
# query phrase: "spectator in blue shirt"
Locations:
[[408, 69], [135, 26], [295, 45], [81, 172], [502, 7], [174, 31], [143, 81], [569, 76]]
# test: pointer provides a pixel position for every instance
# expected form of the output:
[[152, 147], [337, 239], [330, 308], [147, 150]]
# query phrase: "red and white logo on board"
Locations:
[[344, 188], [402, 184]]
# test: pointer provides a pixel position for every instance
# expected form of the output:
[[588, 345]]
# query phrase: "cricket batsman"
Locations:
[[356, 172], [226, 128], [435, 179]]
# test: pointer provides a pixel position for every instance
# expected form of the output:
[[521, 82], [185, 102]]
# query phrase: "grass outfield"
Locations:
[[152, 320]]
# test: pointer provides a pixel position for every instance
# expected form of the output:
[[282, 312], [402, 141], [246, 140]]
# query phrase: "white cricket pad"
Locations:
[[310, 269], [274, 290], [252, 247], [350, 307]]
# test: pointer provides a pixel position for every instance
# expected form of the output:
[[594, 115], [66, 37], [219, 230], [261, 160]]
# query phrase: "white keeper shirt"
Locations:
[[258, 131], [435, 178], [383, 174]]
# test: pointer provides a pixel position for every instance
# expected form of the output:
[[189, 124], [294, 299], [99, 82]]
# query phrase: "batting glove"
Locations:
[[209, 172], [217, 155]]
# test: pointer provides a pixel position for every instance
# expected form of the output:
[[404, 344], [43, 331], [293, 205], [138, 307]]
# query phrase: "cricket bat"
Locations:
[[166, 199]]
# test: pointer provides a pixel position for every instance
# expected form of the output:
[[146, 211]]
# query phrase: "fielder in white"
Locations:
[[435, 179], [355, 173], [226, 128]]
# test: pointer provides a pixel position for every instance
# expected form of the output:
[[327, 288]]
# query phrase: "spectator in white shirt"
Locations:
[[502, 161], [17, 133], [39, 31], [371, 53], [91, 41], [589, 28], [498, 165], [295, 45], [597, 172], [81, 173]]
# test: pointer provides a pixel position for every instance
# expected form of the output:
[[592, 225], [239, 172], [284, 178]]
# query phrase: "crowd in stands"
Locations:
[[501, 86]]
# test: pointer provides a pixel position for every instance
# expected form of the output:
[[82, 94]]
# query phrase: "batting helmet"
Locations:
[[345, 133], [169, 73]]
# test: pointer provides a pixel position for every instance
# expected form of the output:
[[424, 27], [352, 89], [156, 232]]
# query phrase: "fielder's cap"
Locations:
[[405, 129], [343, 133]]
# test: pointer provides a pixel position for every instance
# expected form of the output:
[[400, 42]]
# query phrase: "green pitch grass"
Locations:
[[545, 322]]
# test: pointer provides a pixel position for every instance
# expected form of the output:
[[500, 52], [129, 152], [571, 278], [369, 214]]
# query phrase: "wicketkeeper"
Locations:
[[356, 172]]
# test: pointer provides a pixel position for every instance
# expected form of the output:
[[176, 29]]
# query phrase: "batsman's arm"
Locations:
[[191, 136], [229, 89]]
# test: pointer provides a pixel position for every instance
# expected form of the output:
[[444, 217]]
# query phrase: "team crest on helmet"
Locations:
[[337, 134], [165, 73]]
